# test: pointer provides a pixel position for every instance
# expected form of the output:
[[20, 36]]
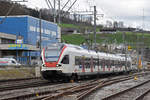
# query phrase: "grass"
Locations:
[[68, 26], [129, 37], [14, 73], [79, 27], [76, 39]]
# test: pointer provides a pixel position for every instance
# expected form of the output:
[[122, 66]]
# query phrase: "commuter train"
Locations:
[[66, 61]]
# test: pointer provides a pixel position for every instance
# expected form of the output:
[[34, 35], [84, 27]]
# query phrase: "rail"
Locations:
[[111, 97], [80, 91], [87, 90]]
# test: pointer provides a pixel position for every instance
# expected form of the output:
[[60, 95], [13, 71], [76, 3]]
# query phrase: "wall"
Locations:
[[16, 25], [49, 31], [28, 28]]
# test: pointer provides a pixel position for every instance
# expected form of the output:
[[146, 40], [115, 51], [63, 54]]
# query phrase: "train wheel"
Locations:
[[74, 77], [66, 79]]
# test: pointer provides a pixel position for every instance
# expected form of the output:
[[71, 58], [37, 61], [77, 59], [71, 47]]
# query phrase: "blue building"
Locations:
[[20, 36]]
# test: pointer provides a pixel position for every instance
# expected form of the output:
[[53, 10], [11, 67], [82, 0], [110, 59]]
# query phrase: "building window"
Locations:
[[7, 41]]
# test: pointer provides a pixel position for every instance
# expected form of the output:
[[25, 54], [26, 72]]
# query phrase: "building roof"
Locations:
[[27, 16]]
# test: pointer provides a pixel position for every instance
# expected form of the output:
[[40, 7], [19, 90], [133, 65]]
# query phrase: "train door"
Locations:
[[115, 65], [109, 65], [103, 65], [98, 65], [91, 64], [66, 63], [83, 63]]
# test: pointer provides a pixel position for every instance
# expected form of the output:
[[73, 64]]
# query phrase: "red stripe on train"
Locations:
[[61, 53], [104, 68], [98, 68], [108, 69], [53, 64]]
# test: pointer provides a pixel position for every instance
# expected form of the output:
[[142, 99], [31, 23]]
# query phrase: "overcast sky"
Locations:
[[129, 11]]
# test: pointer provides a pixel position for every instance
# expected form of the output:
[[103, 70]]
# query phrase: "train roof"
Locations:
[[101, 54], [80, 49]]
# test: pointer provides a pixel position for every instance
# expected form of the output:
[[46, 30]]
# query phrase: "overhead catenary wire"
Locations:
[[72, 5], [65, 5], [47, 3], [50, 4]]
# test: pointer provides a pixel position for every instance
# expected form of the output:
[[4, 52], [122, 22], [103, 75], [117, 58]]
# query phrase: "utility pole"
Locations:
[[53, 6], [142, 49], [95, 26], [59, 12], [40, 28], [125, 49], [54, 11], [40, 40], [138, 43], [94, 14]]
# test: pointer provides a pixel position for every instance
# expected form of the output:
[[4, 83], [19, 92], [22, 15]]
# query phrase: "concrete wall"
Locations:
[[37, 72]]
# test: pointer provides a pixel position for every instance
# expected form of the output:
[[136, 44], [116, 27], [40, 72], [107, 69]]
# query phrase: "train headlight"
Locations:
[[58, 65]]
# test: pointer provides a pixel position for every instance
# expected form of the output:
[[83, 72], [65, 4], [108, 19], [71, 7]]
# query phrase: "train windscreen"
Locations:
[[52, 54]]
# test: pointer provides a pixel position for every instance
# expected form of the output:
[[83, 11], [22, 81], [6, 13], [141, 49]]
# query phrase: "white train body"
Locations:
[[61, 60]]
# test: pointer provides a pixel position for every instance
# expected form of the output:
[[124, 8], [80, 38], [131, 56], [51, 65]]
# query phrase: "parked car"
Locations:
[[8, 62]]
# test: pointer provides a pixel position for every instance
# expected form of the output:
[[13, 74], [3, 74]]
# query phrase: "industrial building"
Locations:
[[20, 37]]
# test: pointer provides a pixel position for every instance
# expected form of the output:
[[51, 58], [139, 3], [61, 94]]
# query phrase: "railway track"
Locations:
[[20, 79], [82, 91], [136, 92], [14, 84], [23, 85], [141, 96], [78, 92], [26, 94]]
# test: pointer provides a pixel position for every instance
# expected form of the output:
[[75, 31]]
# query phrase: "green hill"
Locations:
[[129, 38]]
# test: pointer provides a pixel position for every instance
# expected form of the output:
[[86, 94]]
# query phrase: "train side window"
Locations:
[[100, 62], [112, 62], [87, 62], [103, 63], [65, 59], [13, 62], [77, 60], [94, 62], [109, 64], [116, 63], [128, 64], [97, 62]]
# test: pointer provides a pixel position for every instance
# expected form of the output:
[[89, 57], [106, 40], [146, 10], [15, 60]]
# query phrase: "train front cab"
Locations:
[[56, 64], [50, 57]]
